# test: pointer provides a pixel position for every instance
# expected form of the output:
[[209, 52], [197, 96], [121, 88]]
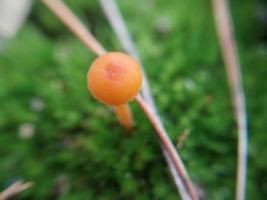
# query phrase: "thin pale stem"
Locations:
[[161, 133], [14, 189], [233, 69], [74, 24], [116, 20], [124, 116]]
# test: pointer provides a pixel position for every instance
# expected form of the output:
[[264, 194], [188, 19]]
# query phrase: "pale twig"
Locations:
[[14, 189], [233, 69], [72, 22], [161, 133], [114, 17], [116, 20]]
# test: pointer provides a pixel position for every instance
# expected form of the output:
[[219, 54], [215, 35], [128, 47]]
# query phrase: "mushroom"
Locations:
[[114, 79]]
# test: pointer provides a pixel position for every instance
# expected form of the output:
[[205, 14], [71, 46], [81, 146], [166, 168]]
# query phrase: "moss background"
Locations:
[[78, 150]]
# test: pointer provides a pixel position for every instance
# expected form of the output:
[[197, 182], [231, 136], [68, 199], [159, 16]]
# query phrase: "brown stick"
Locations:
[[66, 16], [161, 133], [74, 24], [232, 64], [116, 20]]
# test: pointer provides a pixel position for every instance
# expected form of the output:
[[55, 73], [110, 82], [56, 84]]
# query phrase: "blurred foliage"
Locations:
[[78, 150]]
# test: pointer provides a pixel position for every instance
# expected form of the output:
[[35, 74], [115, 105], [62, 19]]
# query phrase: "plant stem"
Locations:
[[74, 24], [14, 189], [161, 133], [116, 20], [114, 17], [177, 168], [233, 69]]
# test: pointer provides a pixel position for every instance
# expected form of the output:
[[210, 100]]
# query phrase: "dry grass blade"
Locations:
[[14, 189], [170, 149], [231, 59], [115, 18], [185, 195], [113, 14], [74, 24]]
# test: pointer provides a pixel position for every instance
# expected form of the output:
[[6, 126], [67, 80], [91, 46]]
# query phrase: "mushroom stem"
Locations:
[[124, 116]]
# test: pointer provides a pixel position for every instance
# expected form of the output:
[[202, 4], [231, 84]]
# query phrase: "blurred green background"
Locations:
[[52, 132]]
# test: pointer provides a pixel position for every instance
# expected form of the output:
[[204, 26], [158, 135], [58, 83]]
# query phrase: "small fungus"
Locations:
[[115, 79]]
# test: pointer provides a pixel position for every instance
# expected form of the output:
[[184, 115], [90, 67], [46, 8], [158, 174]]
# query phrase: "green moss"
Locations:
[[78, 138]]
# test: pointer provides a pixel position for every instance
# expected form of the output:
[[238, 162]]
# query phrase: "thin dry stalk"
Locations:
[[74, 24], [232, 64], [116, 20], [161, 133], [176, 165], [14, 189]]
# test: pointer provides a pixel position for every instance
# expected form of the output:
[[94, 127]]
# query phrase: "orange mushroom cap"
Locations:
[[114, 78]]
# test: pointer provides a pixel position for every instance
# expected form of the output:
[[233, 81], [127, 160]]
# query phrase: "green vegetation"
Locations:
[[78, 150]]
